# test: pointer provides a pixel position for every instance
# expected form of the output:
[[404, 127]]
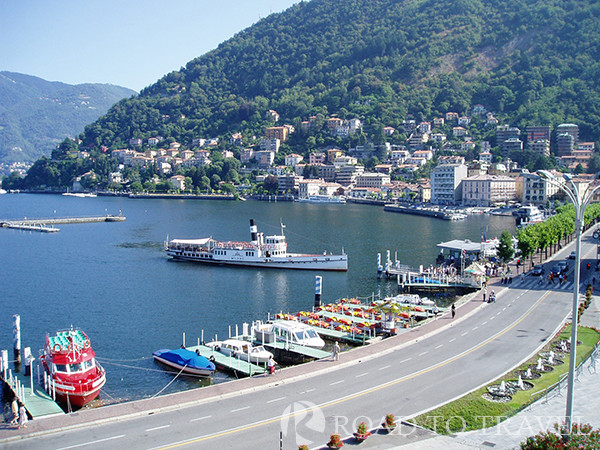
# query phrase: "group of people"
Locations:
[[17, 413]]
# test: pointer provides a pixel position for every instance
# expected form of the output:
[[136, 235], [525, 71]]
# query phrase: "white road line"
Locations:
[[362, 374], [439, 346], [240, 409], [310, 390], [93, 442], [504, 308], [384, 367], [276, 399], [200, 418], [474, 328], [405, 360], [158, 428], [336, 382], [483, 323], [452, 340], [465, 333], [424, 353]]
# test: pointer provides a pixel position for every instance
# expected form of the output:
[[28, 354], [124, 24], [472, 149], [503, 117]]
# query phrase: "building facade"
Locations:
[[488, 190], [446, 187]]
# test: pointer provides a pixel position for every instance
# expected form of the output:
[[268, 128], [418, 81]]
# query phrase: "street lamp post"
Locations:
[[580, 203]]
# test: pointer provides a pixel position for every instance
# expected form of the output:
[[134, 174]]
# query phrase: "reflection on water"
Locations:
[[114, 281]]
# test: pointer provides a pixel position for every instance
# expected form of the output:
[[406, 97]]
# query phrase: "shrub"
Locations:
[[581, 436]]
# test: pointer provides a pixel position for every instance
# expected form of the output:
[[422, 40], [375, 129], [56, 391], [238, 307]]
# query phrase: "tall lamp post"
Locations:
[[580, 202]]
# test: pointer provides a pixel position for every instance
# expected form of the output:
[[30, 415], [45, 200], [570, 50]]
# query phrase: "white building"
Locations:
[[446, 187], [372, 180], [488, 190]]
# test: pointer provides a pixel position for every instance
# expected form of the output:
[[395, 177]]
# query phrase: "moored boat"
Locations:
[[262, 251], [185, 360], [242, 350], [289, 331], [71, 363]]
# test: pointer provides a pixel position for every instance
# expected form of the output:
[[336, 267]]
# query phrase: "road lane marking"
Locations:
[[240, 409], [405, 360], [384, 367], [465, 333], [362, 374], [200, 418], [474, 328], [93, 442], [439, 346], [276, 399], [362, 393], [158, 428], [336, 382], [452, 340], [483, 323], [424, 353]]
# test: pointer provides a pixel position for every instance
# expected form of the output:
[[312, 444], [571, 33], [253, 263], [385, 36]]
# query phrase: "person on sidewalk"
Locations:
[[271, 365], [335, 355], [484, 293], [22, 416], [453, 310]]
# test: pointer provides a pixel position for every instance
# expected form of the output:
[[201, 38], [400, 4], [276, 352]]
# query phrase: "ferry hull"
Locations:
[[78, 399], [331, 262]]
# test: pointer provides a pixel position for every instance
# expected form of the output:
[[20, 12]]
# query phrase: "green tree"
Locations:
[[505, 248]]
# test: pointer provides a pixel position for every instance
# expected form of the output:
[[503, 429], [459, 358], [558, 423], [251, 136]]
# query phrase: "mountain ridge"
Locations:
[[530, 61], [36, 114]]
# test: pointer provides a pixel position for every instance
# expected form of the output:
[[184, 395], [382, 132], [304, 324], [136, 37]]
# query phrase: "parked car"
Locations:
[[572, 255], [537, 271]]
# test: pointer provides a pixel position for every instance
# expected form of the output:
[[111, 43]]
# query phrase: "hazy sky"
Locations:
[[131, 43]]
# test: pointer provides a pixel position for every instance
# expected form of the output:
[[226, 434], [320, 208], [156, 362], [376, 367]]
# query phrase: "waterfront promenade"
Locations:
[[249, 392]]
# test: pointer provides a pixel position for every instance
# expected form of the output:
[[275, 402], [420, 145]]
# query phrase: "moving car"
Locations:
[[537, 271], [572, 255]]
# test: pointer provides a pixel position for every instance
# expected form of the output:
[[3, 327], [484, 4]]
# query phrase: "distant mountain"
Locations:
[[36, 115], [528, 61]]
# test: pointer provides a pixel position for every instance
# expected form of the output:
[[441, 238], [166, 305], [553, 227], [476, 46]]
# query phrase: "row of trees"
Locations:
[[548, 235]]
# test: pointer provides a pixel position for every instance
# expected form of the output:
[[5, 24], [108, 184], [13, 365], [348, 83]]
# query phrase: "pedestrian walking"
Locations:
[[22, 416], [453, 309], [436, 311], [335, 354], [14, 408], [271, 365], [484, 292]]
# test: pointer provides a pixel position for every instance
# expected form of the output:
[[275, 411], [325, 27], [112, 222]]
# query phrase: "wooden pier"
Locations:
[[46, 225]]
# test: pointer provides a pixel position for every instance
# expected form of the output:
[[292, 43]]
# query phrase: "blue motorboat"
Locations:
[[186, 360]]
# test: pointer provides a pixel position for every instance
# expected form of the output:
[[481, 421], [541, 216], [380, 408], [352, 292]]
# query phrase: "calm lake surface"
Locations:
[[114, 281]]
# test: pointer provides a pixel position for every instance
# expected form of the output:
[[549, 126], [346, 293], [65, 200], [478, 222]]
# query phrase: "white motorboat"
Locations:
[[322, 199], [289, 331], [242, 350]]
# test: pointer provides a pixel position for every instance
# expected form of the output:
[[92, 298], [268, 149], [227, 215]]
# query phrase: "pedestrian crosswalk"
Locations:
[[530, 282]]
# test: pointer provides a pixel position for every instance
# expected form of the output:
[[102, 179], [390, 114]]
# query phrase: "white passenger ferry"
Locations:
[[262, 251]]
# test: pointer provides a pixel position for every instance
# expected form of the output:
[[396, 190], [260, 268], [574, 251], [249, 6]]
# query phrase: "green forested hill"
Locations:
[[529, 61], [36, 114]]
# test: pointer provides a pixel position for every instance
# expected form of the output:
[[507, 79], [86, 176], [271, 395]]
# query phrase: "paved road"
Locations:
[[426, 367]]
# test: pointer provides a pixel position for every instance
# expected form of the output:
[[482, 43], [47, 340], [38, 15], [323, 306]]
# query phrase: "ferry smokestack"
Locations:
[[253, 232], [17, 341], [318, 290]]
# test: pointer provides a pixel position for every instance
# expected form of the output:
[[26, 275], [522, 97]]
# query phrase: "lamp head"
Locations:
[[545, 174]]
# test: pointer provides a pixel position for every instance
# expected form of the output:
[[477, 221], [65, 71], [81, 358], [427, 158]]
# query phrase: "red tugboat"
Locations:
[[69, 360]]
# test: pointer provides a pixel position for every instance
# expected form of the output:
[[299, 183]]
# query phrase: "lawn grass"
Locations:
[[473, 412]]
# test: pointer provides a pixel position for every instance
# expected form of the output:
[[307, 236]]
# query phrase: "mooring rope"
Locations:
[[170, 382]]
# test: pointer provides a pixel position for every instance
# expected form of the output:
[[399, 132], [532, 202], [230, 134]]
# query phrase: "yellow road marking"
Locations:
[[365, 392]]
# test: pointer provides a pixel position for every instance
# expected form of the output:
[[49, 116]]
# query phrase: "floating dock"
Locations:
[[37, 402], [42, 225]]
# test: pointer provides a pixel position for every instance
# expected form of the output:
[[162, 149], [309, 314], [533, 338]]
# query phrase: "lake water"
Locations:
[[114, 281]]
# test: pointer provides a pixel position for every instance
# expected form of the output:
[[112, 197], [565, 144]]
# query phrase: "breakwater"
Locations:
[[46, 225]]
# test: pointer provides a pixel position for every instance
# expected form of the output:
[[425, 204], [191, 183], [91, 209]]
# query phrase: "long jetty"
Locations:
[[46, 225]]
